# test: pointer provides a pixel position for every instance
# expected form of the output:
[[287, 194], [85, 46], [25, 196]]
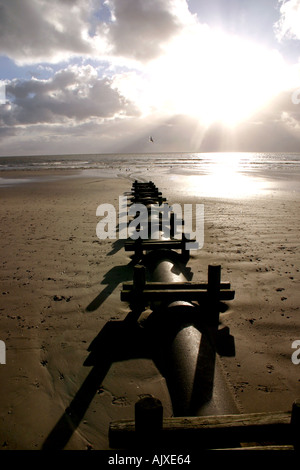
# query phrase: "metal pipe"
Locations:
[[185, 349]]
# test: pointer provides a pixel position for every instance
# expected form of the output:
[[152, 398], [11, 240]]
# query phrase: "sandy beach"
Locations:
[[61, 316]]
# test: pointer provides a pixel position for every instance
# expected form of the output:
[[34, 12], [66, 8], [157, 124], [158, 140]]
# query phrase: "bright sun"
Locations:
[[212, 76]]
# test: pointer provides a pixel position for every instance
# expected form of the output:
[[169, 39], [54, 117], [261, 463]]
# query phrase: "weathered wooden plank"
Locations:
[[147, 191], [199, 424], [175, 285], [142, 184], [176, 294], [131, 245], [273, 448], [295, 423], [148, 421], [213, 290], [148, 199], [212, 431], [139, 277], [139, 197], [226, 421]]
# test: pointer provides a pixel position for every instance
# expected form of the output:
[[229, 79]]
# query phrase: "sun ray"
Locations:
[[216, 76], [209, 75]]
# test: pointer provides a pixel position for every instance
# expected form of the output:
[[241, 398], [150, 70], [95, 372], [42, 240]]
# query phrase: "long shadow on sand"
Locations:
[[118, 340], [112, 280], [151, 338], [128, 339]]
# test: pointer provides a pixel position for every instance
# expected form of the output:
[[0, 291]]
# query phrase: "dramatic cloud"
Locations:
[[141, 28], [73, 93], [44, 31], [33, 31], [106, 74]]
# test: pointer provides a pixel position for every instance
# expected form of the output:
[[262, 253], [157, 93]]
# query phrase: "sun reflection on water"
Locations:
[[225, 178]]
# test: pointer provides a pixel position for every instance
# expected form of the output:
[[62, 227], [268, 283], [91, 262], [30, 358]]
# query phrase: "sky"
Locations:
[[102, 76]]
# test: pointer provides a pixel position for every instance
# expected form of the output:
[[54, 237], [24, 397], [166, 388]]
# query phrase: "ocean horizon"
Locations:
[[227, 173], [191, 160]]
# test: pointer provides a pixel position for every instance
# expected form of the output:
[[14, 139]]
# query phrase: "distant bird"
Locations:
[[151, 139]]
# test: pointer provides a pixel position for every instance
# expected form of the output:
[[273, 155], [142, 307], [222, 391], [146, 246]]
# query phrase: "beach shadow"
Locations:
[[71, 418], [116, 246], [117, 341], [150, 338], [112, 280], [120, 274], [127, 339], [119, 243]]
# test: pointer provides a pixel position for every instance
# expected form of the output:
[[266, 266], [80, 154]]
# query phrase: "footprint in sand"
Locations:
[[120, 401]]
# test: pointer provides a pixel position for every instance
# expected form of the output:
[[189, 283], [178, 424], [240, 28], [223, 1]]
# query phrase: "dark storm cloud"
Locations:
[[79, 108], [33, 30], [142, 27], [72, 93]]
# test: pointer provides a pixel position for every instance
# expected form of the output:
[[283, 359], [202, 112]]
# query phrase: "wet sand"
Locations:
[[72, 365]]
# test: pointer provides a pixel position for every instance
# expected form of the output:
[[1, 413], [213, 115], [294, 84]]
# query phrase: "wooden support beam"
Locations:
[[184, 251], [170, 295], [175, 285], [148, 199], [148, 421], [172, 224], [141, 183], [146, 191], [295, 424], [130, 245], [137, 299], [139, 278], [211, 432], [143, 196], [255, 448], [211, 292], [214, 293]]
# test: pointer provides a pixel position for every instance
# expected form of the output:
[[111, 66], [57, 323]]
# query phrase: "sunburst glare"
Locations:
[[214, 76]]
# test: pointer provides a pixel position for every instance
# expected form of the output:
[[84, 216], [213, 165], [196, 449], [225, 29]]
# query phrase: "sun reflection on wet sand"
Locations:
[[224, 184]]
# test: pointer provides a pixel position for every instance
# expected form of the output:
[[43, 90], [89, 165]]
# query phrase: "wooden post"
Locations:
[[148, 421], [172, 224], [185, 253], [295, 424], [137, 303], [139, 278], [213, 290], [138, 248]]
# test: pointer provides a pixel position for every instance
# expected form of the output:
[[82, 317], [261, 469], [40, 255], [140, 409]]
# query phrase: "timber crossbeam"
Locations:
[[165, 294], [187, 285], [140, 291], [140, 245], [267, 431], [132, 245]]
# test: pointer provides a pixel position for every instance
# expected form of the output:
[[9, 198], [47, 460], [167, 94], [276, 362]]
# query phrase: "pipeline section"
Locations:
[[185, 332]]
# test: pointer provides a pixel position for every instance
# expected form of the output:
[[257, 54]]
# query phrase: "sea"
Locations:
[[228, 173]]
